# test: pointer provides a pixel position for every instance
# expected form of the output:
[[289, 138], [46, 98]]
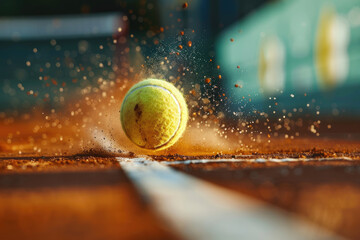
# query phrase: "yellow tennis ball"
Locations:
[[154, 114]]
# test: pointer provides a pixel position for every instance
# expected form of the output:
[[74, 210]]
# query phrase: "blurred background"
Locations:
[[235, 60]]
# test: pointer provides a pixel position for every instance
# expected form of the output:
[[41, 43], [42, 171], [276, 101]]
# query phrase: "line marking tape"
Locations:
[[199, 210]]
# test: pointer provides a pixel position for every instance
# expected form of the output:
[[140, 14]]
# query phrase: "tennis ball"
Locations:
[[154, 114]]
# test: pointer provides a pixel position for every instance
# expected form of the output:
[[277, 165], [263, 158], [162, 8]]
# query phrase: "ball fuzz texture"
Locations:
[[154, 114]]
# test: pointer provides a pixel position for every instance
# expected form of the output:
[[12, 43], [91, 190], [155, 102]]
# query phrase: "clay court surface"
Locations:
[[269, 136], [89, 195]]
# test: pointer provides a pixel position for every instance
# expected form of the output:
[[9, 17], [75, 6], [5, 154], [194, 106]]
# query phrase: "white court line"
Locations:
[[199, 210], [258, 160]]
